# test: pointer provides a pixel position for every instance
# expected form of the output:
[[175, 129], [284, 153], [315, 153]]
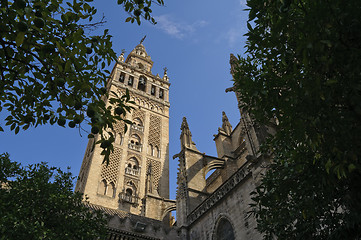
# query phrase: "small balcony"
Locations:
[[124, 197], [131, 171], [137, 127], [136, 147]]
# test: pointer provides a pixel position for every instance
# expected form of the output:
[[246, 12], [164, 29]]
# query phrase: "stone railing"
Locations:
[[218, 194], [128, 198], [135, 147], [137, 127], [131, 171]]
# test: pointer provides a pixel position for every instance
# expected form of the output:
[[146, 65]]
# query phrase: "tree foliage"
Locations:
[[303, 67], [38, 202], [53, 69], [138, 9]]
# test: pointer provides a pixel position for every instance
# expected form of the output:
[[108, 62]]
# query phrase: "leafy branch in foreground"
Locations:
[[303, 68], [38, 202], [51, 71], [139, 8]]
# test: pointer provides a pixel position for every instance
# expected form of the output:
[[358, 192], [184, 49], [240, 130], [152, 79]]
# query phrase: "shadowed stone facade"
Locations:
[[133, 190], [218, 207]]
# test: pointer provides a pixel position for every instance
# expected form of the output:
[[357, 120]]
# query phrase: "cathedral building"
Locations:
[[133, 189]]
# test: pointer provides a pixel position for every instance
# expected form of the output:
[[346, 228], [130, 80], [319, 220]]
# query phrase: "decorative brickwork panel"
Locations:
[[111, 172], [119, 127], [83, 175], [154, 130], [138, 114], [156, 171]]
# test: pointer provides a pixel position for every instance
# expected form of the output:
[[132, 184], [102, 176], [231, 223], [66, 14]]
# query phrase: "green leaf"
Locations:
[[351, 167], [249, 26], [19, 38]]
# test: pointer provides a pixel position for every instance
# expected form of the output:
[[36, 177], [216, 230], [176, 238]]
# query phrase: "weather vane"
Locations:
[[141, 41]]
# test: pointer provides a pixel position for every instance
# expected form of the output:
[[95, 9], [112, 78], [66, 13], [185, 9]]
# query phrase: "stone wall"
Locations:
[[227, 202]]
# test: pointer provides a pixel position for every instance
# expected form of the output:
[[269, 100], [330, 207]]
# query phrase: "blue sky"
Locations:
[[193, 39]]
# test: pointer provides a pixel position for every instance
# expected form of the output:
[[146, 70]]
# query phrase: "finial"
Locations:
[[227, 127], [141, 41], [121, 57], [186, 136], [184, 124], [165, 77]]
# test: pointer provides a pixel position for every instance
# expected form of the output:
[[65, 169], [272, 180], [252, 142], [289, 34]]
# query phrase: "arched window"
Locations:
[[135, 139], [150, 150], [135, 143], [121, 77], [132, 166], [161, 93], [142, 83], [133, 162], [110, 190], [152, 90], [129, 192], [120, 139], [224, 230], [137, 122], [130, 80], [157, 152], [102, 189]]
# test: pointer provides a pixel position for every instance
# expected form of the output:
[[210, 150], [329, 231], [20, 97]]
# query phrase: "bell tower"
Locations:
[[137, 176]]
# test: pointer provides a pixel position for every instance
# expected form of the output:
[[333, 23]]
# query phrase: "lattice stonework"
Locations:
[[138, 114], [156, 171], [119, 127], [154, 130], [110, 173]]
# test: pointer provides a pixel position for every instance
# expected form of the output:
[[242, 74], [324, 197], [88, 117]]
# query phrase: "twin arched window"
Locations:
[[133, 163], [132, 167], [154, 151], [106, 189], [135, 139]]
